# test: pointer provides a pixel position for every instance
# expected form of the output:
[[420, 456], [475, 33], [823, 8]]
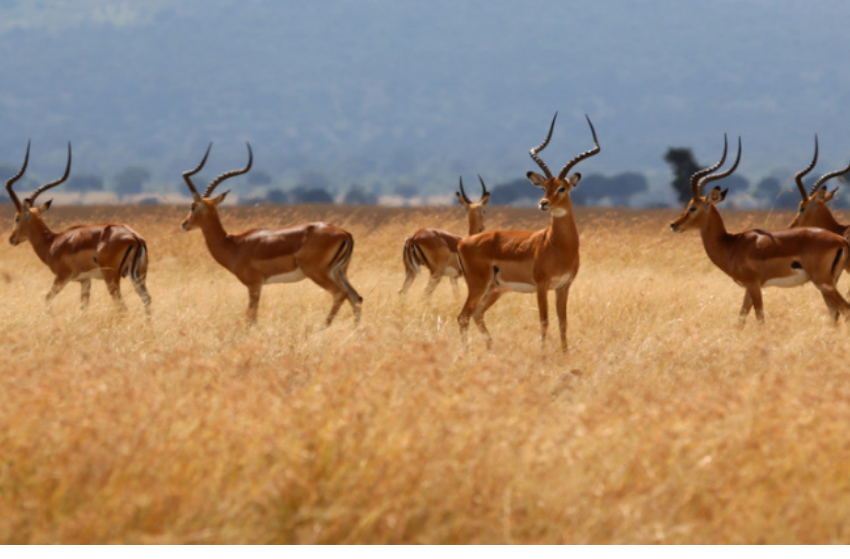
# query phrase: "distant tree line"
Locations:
[[314, 187]]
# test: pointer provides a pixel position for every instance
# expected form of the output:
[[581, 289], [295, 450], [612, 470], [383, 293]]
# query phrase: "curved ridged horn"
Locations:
[[14, 179], [828, 176], [707, 179], [230, 174], [695, 178], [798, 178], [582, 156], [538, 149], [188, 174], [463, 193], [483, 188], [57, 182]]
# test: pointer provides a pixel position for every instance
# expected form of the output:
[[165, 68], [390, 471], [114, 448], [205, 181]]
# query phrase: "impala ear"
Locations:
[[484, 200], [573, 180], [461, 200], [220, 198], [45, 206], [536, 178], [716, 195], [827, 196]]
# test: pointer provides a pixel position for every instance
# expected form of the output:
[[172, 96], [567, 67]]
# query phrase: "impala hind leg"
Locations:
[[85, 293], [836, 304], [478, 316], [455, 288], [113, 286], [433, 281], [142, 290], [477, 287]]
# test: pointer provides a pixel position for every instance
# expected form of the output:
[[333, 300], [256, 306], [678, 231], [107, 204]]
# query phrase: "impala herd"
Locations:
[[814, 248]]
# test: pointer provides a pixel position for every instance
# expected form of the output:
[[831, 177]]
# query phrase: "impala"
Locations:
[[107, 251], [813, 210], [756, 258], [497, 262], [437, 249], [318, 251]]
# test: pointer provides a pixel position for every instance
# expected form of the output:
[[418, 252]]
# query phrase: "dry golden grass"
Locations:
[[665, 423]]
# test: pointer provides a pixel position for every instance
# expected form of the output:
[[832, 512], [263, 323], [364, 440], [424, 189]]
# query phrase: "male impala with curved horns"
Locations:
[[496, 262], [437, 249], [813, 210], [756, 258], [319, 251], [107, 251]]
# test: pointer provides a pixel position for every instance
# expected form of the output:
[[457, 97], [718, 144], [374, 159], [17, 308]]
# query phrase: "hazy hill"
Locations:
[[381, 92]]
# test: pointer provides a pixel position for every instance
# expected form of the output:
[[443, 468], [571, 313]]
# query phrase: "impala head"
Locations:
[[26, 212], [813, 211], [556, 197], [204, 206], [699, 207], [474, 210]]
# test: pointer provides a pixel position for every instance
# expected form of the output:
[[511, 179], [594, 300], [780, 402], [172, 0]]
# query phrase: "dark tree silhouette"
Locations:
[[277, 196], [357, 195], [684, 166], [306, 195], [130, 180], [84, 183]]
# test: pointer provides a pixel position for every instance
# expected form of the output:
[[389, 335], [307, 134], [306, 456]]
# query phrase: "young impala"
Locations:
[[756, 258], [437, 249], [318, 251], [496, 262], [107, 251]]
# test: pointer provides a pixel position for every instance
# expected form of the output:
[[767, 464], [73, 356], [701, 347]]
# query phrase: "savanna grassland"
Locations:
[[665, 422]]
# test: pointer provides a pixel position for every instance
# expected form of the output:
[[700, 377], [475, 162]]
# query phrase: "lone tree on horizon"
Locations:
[[684, 166]]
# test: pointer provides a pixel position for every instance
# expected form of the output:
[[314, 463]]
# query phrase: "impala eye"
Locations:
[[562, 190], [693, 209]]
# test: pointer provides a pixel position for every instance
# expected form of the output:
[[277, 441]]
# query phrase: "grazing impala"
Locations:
[[496, 262], [756, 258], [107, 251], [319, 251], [813, 210], [437, 249]]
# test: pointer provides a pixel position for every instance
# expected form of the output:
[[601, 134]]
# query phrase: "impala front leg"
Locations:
[[755, 295], [59, 283], [253, 302], [543, 307], [745, 308], [85, 293], [561, 296]]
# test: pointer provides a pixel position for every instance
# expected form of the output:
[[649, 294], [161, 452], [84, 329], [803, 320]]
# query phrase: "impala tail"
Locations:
[[839, 263]]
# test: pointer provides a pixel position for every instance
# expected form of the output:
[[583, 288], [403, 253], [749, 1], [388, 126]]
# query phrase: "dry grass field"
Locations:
[[665, 423]]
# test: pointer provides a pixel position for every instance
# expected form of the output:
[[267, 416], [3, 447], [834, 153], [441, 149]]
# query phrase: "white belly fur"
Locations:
[[290, 277], [799, 278], [97, 273]]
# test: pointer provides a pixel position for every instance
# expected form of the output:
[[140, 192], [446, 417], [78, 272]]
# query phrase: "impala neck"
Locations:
[[715, 239], [827, 221], [40, 237], [564, 231], [218, 241]]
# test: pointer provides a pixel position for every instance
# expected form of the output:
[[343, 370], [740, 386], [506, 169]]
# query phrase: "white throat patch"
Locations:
[[559, 212]]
